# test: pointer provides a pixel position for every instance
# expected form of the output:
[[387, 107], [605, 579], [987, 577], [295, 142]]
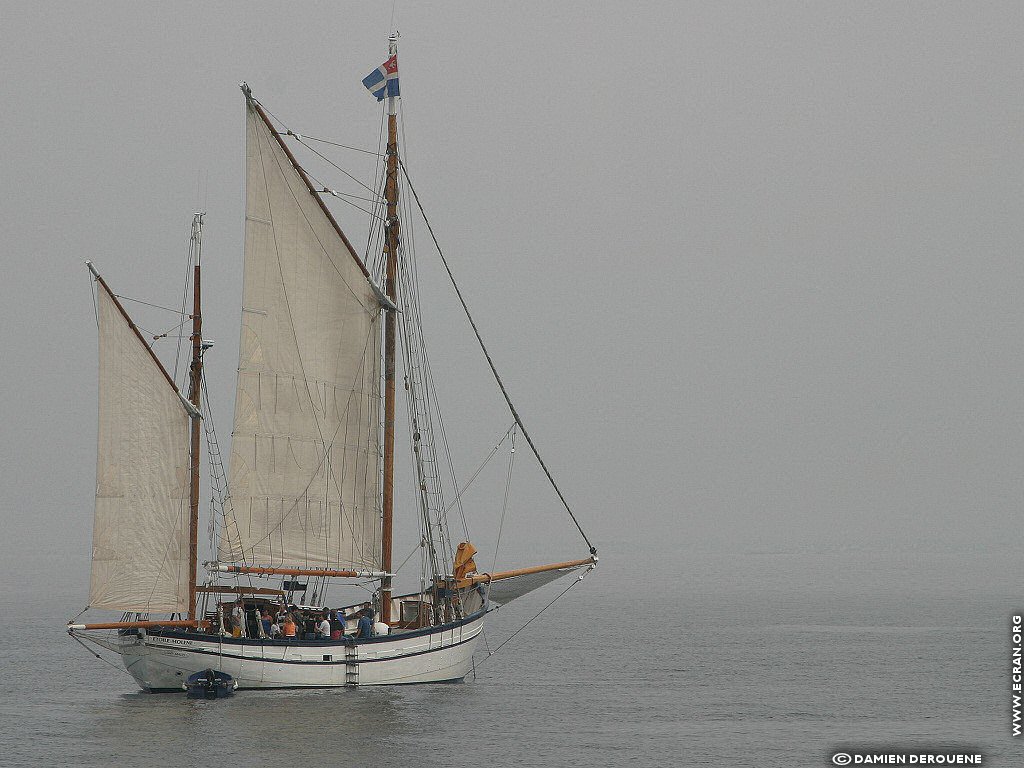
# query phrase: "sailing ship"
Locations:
[[309, 496]]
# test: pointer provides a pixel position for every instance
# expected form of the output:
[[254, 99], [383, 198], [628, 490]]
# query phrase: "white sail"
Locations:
[[304, 487], [507, 590], [140, 541]]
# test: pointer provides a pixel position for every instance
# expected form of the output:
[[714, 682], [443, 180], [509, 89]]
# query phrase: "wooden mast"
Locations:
[[195, 383], [390, 288], [266, 570], [485, 578]]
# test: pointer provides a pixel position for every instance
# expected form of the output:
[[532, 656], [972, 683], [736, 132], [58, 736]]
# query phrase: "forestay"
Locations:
[[304, 487], [140, 541]]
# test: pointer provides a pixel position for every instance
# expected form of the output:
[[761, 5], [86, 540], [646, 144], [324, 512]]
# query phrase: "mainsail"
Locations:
[[304, 486], [140, 540]]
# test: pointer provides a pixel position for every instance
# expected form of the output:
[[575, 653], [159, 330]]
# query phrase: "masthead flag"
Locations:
[[383, 81]]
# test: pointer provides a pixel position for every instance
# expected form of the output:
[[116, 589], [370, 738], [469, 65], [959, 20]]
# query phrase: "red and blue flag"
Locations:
[[383, 81]]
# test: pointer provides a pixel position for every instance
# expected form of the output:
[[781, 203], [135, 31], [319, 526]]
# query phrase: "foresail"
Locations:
[[140, 544], [304, 487], [507, 590]]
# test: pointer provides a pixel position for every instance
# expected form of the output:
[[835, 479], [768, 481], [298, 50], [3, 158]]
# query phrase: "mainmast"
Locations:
[[390, 283], [195, 384]]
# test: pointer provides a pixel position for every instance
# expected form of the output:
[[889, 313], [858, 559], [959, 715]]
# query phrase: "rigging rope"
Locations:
[[191, 256], [483, 464], [158, 336], [490, 362], [94, 653], [575, 581], [333, 143], [408, 246], [146, 303], [504, 509], [92, 292], [334, 165], [414, 551]]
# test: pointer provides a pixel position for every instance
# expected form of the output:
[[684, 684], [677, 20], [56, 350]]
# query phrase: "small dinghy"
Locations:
[[209, 684]]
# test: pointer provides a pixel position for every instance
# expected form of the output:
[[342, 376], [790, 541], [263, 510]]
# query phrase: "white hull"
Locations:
[[164, 661]]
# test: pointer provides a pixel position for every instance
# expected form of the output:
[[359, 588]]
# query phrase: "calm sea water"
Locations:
[[726, 660]]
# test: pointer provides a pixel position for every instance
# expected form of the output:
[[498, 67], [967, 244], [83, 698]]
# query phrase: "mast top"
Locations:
[[392, 52], [197, 234]]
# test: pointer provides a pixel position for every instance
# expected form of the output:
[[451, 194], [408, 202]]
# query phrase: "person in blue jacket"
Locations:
[[365, 626]]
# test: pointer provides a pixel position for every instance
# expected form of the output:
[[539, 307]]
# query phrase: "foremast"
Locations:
[[194, 390]]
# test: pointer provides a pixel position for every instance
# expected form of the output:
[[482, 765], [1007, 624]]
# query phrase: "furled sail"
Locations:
[[304, 487], [140, 539]]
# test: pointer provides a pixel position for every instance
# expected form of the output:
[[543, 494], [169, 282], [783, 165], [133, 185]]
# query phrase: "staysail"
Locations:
[[140, 541], [304, 486], [507, 590]]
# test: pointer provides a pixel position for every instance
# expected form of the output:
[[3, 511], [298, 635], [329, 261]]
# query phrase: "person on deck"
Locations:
[[323, 629], [238, 619], [300, 621], [365, 626], [308, 624], [288, 628], [253, 623], [337, 627], [266, 621]]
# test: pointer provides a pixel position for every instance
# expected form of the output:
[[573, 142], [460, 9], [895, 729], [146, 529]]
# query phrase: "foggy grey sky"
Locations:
[[751, 271]]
